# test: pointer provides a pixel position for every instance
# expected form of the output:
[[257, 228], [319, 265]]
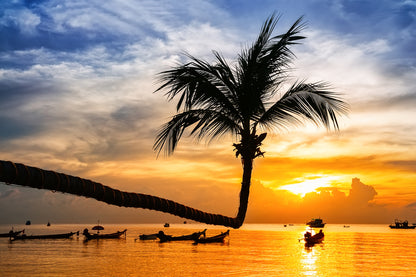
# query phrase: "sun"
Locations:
[[308, 184]]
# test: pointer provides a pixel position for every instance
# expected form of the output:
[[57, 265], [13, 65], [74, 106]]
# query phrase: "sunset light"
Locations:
[[207, 138], [309, 184]]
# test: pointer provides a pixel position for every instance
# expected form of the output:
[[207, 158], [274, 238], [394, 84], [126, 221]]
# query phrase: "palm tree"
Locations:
[[214, 100], [217, 99]]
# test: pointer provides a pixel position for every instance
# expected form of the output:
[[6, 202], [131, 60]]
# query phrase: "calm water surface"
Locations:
[[254, 250]]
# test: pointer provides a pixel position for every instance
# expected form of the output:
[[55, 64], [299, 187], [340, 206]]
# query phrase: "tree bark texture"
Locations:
[[23, 175], [245, 190]]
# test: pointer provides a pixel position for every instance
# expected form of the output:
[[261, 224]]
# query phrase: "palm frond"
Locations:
[[312, 101], [207, 123], [262, 68], [200, 84]]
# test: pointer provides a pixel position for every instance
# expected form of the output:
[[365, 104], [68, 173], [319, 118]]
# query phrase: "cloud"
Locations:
[[8, 194], [77, 81], [333, 205], [412, 206]]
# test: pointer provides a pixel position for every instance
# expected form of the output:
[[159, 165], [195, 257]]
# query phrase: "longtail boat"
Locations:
[[49, 236], [148, 237], [311, 240], [217, 238], [11, 234], [116, 235], [194, 236]]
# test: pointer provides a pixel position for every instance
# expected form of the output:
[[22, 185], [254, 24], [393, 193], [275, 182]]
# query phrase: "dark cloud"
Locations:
[[12, 128], [412, 206], [408, 165]]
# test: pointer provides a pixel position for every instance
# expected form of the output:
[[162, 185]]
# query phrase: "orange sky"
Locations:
[[90, 111]]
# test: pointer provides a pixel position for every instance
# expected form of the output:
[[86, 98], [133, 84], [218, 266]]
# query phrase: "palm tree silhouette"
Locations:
[[215, 99]]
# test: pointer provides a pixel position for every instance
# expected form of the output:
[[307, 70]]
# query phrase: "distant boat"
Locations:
[[194, 236], [49, 224], [50, 236], [311, 240], [28, 222], [148, 237], [401, 225], [116, 235], [11, 234], [166, 225], [217, 238], [316, 223]]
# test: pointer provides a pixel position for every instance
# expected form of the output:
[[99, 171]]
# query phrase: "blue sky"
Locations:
[[77, 81]]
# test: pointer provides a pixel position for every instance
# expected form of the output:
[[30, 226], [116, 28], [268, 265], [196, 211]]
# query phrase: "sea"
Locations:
[[253, 250]]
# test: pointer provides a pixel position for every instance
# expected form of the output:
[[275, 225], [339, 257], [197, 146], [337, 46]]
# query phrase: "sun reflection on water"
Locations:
[[308, 261]]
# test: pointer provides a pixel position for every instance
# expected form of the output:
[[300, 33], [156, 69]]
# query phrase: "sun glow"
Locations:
[[309, 184]]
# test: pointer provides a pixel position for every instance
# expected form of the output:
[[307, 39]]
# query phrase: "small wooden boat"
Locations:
[[116, 235], [49, 236], [402, 225], [311, 240], [148, 237], [217, 238], [194, 236], [11, 234]]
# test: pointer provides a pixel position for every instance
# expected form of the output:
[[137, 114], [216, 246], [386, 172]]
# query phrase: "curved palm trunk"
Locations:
[[245, 190], [20, 174]]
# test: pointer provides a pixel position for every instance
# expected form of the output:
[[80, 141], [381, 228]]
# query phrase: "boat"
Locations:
[[166, 225], [116, 235], [148, 237], [217, 238], [28, 222], [316, 223], [11, 234], [194, 236], [311, 240], [49, 236], [402, 225], [48, 224]]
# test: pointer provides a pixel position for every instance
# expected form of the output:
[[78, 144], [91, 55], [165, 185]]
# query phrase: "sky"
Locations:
[[77, 82]]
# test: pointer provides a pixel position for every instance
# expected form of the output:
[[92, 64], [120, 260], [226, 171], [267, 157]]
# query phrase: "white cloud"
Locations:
[[24, 19]]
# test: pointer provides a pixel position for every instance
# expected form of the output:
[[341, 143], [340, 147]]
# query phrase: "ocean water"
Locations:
[[254, 250]]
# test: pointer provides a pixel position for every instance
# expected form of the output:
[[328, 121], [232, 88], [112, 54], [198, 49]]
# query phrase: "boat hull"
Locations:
[[148, 237], [218, 238], [312, 240], [11, 234], [115, 235], [407, 227], [165, 238], [50, 236]]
